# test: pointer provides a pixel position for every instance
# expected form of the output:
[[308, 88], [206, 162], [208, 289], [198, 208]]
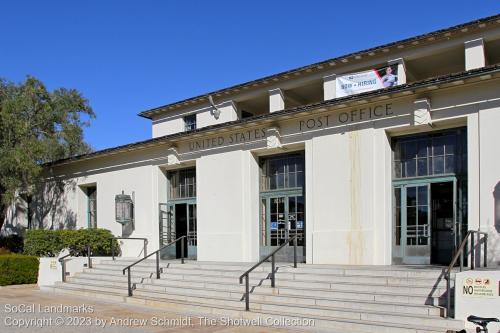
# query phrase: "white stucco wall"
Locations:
[[221, 199], [489, 177], [138, 181], [136, 174], [174, 122], [337, 222], [167, 125]]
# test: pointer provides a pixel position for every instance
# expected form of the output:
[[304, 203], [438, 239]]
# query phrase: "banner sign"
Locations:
[[361, 82]]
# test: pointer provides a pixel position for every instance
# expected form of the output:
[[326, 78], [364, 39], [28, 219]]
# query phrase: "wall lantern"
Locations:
[[124, 208]]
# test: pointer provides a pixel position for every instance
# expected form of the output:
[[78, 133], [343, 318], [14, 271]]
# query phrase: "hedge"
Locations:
[[13, 243], [48, 243], [18, 269]]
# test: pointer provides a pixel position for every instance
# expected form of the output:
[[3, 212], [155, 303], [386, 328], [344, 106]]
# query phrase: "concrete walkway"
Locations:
[[27, 309]]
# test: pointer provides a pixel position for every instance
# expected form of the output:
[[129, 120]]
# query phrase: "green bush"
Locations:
[[13, 243], [98, 239], [43, 243], [48, 243], [18, 269]]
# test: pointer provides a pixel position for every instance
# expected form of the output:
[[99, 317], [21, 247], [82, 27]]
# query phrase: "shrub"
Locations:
[[18, 269], [13, 243], [43, 243], [49, 243], [98, 239]]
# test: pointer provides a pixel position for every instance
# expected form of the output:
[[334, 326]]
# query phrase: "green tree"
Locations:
[[36, 127]]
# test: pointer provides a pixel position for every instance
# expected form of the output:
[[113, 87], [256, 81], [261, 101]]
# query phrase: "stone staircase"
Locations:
[[323, 298]]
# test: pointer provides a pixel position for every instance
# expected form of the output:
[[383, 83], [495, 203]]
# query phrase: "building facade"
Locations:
[[384, 156]]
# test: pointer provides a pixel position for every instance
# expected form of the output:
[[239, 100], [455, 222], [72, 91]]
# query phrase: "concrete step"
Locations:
[[93, 281], [257, 295], [358, 305], [373, 280], [129, 261], [330, 307], [188, 264], [403, 294], [362, 296], [331, 317], [309, 311], [364, 287], [78, 291], [112, 272], [107, 277], [403, 270], [409, 290], [266, 289], [186, 267], [119, 268], [388, 271], [363, 279], [268, 318], [338, 298], [235, 274], [301, 278], [316, 323], [115, 290], [393, 274], [375, 294]]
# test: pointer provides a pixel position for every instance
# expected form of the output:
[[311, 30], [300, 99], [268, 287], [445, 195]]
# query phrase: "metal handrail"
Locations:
[[63, 262], [246, 275], [157, 252], [145, 240], [63, 266], [89, 262], [460, 254]]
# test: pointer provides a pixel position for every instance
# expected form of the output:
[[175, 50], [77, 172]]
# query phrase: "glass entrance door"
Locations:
[[429, 196], [286, 219], [178, 216], [425, 226], [282, 204], [283, 217], [444, 226], [277, 221], [167, 230], [413, 223], [191, 233], [177, 220]]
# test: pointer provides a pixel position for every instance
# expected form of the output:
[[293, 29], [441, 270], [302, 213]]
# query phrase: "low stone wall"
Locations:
[[50, 270]]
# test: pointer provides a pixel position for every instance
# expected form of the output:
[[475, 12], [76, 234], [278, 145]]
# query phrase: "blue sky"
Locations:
[[129, 56]]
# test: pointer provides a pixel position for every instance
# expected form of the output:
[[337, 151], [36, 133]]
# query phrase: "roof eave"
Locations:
[[148, 114], [309, 107]]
